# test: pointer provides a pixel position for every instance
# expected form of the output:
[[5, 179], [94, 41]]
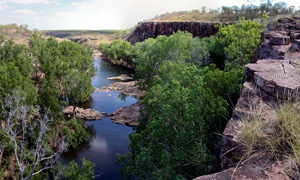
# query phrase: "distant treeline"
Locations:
[[231, 13]]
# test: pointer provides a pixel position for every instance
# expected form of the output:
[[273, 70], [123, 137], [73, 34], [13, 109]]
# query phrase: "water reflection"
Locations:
[[108, 138]]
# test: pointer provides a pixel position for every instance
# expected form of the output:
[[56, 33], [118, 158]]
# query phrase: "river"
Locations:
[[108, 138]]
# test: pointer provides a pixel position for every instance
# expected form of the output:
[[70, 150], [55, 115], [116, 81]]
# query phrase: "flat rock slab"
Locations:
[[85, 114], [128, 115], [258, 166], [129, 88], [278, 78], [122, 77]]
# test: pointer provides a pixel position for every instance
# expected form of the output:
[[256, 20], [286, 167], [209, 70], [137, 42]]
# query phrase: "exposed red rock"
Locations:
[[145, 30]]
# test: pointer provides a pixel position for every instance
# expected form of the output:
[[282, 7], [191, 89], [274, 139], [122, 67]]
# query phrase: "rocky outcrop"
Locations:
[[145, 30], [122, 77], [129, 88], [128, 115], [268, 82], [85, 114], [281, 40]]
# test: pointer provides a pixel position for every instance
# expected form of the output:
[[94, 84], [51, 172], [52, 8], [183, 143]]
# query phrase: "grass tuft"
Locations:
[[280, 138]]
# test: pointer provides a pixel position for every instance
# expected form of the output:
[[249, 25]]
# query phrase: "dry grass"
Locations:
[[279, 139], [187, 16]]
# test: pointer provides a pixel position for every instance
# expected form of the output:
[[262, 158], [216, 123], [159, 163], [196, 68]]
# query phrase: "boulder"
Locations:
[[85, 114], [128, 115]]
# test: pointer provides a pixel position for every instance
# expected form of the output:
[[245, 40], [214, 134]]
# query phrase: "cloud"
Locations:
[[3, 4], [27, 12], [33, 1], [79, 3]]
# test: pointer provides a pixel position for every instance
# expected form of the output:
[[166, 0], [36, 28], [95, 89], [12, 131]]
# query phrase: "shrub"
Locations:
[[117, 50], [179, 47], [240, 41], [186, 109]]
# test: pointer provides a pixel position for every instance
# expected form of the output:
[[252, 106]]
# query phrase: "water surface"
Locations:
[[108, 138]]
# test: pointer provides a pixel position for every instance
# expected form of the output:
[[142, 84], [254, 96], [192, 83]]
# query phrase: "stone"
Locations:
[[278, 78], [278, 43], [85, 114], [128, 115], [129, 88], [280, 40], [296, 45], [122, 77], [258, 166]]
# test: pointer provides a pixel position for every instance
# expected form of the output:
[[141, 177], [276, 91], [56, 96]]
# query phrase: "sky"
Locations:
[[99, 14]]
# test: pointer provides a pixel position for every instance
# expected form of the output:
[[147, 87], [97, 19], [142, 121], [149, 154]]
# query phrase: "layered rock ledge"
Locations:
[[282, 41], [129, 88], [85, 114]]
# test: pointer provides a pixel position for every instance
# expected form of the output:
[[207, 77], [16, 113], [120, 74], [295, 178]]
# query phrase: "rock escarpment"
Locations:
[[268, 82], [145, 30]]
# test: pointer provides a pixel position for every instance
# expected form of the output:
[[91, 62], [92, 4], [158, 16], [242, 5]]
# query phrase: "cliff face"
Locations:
[[145, 30], [268, 81], [279, 42]]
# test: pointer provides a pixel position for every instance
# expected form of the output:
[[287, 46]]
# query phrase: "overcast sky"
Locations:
[[98, 14]]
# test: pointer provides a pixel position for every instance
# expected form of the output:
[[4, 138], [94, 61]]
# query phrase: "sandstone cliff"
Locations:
[[145, 30]]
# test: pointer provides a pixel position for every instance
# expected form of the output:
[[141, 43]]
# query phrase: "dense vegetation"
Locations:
[[36, 81], [230, 14], [192, 85]]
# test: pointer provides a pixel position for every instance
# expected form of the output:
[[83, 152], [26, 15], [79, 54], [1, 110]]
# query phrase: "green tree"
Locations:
[[179, 47], [240, 41], [186, 110]]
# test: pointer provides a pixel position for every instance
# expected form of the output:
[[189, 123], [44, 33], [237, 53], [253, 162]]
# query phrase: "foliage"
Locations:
[[35, 82], [117, 50], [68, 68], [15, 68], [26, 139], [278, 139], [179, 47], [186, 110], [240, 41], [230, 13], [85, 171], [76, 132]]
